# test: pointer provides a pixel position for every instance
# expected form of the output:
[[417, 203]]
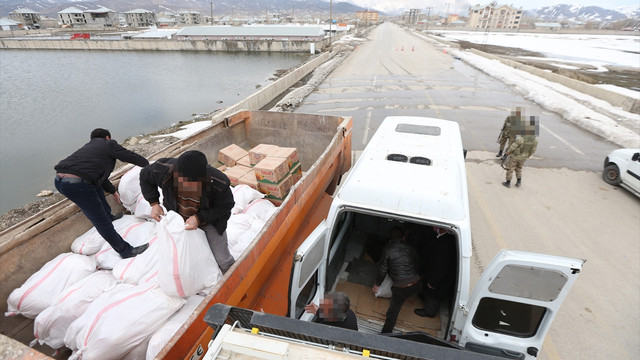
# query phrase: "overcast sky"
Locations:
[[441, 6]]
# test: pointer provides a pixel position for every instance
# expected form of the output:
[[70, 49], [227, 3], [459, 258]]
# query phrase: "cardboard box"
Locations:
[[231, 154], [279, 190], [271, 169], [244, 161], [274, 200], [260, 152], [234, 173], [296, 173], [249, 179], [291, 154]]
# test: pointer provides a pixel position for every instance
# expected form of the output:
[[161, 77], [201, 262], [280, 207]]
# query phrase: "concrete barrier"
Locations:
[[627, 103], [262, 97], [162, 45]]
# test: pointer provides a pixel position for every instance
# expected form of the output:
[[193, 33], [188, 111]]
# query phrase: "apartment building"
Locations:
[[140, 18], [494, 17]]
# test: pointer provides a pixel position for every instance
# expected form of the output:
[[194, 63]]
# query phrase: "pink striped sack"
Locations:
[[136, 234], [186, 263], [51, 325], [42, 288], [118, 321], [131, 270], [91, 242]]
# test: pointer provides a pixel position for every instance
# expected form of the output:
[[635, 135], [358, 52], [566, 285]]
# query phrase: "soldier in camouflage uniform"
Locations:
[[507, 134], [520, 151]]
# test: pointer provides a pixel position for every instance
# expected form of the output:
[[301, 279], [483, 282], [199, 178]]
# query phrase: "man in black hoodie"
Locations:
[[83, 178], [198, 192]]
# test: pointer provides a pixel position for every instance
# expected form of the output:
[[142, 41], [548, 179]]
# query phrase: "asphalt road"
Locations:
[[563, 208]]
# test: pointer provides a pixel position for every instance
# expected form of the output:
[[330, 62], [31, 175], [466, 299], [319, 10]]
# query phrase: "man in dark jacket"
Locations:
[[400, 261], [198, 192], [437, 272], [334, 310], [83, 177]]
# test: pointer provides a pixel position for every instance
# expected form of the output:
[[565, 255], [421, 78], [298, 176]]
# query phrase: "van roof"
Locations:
[[435, 188]]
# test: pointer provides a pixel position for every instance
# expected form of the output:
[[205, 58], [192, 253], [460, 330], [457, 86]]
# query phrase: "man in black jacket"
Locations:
[[400, 261], [334, 310], [83, 177], [198, 192]]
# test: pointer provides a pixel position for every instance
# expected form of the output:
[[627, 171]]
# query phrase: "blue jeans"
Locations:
[[93, 203]]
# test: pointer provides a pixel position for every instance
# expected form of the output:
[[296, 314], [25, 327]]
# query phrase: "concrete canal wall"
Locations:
[[163, 45]]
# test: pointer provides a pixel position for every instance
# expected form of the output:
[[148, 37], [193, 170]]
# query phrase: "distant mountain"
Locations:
[[583, 13], [258, 8]]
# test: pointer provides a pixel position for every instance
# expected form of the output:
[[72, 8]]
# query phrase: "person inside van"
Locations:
[[400, 261], [436, 273], [334, 310]]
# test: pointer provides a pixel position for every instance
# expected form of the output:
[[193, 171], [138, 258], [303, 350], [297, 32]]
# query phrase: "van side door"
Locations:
[[307, 276], [514, 302]]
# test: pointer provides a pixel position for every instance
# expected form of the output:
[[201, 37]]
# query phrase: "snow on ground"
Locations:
[[188, 130], [596, 50], [592, 114]]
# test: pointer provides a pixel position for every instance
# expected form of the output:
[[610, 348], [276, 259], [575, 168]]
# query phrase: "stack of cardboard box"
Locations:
[[270, 169]]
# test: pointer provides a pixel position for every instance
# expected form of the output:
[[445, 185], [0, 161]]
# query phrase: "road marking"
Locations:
[[562, 140], [367, 123]]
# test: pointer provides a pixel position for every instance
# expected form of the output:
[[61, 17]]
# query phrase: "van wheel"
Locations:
[[611, 175]]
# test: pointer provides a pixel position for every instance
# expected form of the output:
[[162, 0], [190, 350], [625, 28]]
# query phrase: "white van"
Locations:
[[412, 174]]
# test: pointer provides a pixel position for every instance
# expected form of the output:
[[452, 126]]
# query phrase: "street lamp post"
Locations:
[[428, 15], [211, 12]]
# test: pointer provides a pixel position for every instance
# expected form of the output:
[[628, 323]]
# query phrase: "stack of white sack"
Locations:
[[42, 288], [51, 324], [131, 194], [119, 321], [162, 336], [177, 264]]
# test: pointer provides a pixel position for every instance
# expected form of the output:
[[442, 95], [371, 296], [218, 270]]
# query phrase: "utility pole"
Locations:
[[447, 19], [330, 19], [211, 12], [428, 15]]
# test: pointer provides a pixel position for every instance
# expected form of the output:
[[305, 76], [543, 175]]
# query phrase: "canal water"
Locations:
[[51, 100]]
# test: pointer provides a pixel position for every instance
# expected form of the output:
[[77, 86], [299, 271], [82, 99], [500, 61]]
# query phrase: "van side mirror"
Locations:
[[635, 157]]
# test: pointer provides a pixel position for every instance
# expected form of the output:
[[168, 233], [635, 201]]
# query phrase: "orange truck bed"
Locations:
[[260, 276]]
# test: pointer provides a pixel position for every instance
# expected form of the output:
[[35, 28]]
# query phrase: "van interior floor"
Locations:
[[356, 280]]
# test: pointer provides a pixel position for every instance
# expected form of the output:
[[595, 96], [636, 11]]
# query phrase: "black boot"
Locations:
[[499, 153], [507, 183], [519, 182], [117, 216], [136, 251]]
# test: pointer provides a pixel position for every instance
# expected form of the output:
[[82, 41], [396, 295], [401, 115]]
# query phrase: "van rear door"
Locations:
[[514, 302], [305, 281]]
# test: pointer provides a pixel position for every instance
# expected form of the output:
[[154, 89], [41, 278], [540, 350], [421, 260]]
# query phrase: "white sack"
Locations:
[[91, 242], [162, 336], [118, 321], [186, 264], [136, 234], [261, 209], [244, 194], [242, 229], [384, 290], [129, 188], [51, 324], [41, 289], [131, 270]]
